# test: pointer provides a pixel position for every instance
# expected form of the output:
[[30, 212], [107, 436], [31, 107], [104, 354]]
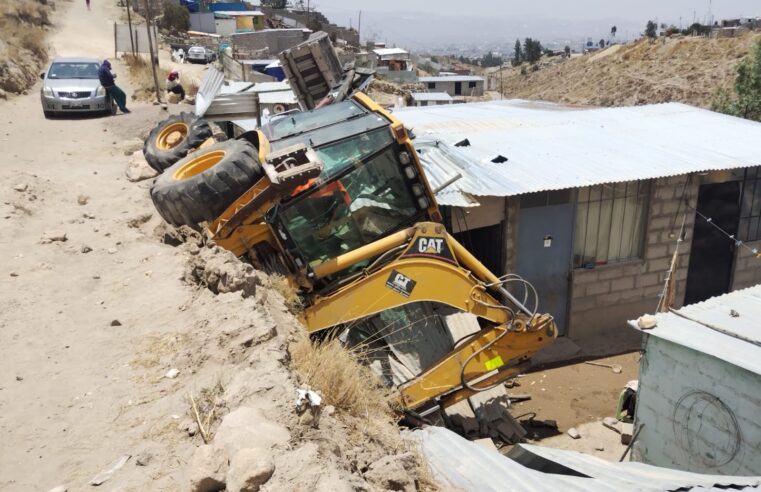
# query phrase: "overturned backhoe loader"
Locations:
[[335, 199]]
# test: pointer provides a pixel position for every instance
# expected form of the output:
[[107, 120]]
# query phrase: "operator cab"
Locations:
[[370, 186]]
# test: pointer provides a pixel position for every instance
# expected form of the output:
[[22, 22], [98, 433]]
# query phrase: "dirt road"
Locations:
[[65, 372]]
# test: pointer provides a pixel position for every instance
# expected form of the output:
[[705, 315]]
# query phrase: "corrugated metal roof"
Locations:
[[460, 464], [736, 333], [390, 51], [452, 78], [431, 96], [552, 147]]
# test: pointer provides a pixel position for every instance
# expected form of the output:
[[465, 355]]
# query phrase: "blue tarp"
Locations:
[[227, 7], [191, 5]]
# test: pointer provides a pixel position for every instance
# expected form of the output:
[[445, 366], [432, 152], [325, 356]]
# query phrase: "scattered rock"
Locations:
[[208, 469], [4, 95], [86, 249], [19, 378], [173, 98], [14, 274], [21, 187], [130, 147], [249, 469], [112, 251], [53, 236], [116, 322], [138, 169], [83, 199], [329, 410], [573, 432], [222, 272], [172, 373], [647, 322], [60, 488], [599, 447], [393, 472], [246, 426], [143, 459], [109, 472], [139, 220]]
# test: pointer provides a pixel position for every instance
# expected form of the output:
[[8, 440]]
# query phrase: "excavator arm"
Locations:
[[424, 263]]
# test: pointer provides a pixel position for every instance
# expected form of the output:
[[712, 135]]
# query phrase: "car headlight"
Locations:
[[48, 91], [101, 91]]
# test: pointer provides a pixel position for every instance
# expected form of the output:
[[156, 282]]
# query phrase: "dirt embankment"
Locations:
[[23, 49], [688, 70]]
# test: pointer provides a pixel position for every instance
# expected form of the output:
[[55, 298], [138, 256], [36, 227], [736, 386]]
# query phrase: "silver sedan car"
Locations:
[[71, 85]]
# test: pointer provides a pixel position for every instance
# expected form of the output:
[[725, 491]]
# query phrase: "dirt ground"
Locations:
[[688, 70]]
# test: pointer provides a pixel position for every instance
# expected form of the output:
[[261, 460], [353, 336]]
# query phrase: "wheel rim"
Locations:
[[198, 164], [171, 136]]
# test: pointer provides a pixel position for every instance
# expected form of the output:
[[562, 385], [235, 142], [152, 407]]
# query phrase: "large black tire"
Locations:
[[201, 186], [161, 154]]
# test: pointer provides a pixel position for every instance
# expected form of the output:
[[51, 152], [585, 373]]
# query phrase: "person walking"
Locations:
[[107, 81], [88, 4], [173, 84]]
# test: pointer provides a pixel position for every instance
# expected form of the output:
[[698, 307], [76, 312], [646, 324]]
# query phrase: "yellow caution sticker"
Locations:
[[494, 363]]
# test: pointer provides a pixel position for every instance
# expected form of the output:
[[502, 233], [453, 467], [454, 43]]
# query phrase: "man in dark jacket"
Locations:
[[107, 81]]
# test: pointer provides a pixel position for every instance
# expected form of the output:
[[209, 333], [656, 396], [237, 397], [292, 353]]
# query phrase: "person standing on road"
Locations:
[[88, 4], [173, 84], [107, 81]]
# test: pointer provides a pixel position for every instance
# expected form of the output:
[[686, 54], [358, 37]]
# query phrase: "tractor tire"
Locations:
[[173, 138], [201, 186]]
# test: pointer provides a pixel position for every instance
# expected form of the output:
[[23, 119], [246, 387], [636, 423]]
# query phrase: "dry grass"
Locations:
[[22, 41], [207, 408], [339, 376], [282, 286], [141, 74]]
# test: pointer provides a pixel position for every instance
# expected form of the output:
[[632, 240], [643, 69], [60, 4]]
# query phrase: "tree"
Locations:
[[601, 43], [746, 100], [651, 30], [275, 4], [532, 50], [567, 51], [517, 53], [613, 31], [491, 60], [176, 18]]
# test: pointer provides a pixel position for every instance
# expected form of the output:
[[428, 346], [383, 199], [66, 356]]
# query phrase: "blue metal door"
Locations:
[[545, 242]]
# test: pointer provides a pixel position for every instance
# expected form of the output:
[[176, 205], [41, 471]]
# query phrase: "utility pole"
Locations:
[[154, 61], [129, 23], [359, 28]]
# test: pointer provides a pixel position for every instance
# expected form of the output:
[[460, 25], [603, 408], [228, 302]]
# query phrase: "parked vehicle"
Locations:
[[71, 85], [200, 54]]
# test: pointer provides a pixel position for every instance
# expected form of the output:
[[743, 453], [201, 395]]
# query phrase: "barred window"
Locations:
[[610, 223], [750, 206]]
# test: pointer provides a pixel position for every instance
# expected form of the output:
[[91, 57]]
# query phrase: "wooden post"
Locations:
[[154, 61], [116, 47], [129, 23]]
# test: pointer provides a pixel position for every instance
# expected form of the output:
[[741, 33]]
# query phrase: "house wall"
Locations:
[[703, 439], [448, 87], [274, 41], [225, 27], [490, 212], [602, 299], [747, 271]]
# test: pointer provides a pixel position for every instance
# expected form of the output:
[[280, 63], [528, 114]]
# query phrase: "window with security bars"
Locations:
[[610, 223], [750, 206]]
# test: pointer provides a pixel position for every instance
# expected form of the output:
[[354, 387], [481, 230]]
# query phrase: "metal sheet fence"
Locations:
[[134, 41]]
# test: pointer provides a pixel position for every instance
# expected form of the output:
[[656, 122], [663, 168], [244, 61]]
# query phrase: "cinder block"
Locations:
[[623, 283], [582, 276], [608, 299], [610, 272], [583, 304], [602, 287], [647, 280], [656, 251], [660, 223]]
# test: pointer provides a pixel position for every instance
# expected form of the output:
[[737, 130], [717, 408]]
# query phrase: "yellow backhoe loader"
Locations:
[[335, 199]]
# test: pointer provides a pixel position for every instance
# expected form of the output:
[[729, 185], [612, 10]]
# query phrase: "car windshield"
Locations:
[[367, 202], [73, 70]]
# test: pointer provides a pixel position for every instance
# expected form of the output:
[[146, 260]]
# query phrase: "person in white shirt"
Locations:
[[173, 83]]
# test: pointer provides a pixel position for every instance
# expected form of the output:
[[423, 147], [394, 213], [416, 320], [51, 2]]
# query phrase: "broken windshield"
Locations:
[[369, 201], [299, 123]]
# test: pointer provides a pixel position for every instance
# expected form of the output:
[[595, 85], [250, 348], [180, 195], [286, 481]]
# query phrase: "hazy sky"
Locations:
[[410, 22]]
